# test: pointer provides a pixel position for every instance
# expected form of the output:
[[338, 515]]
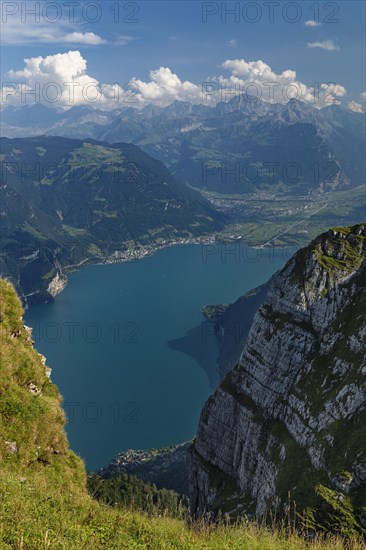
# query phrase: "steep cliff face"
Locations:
[[290, 417], [232, 325]]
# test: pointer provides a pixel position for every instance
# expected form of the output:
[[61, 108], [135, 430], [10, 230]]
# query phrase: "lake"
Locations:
[[130, 349]]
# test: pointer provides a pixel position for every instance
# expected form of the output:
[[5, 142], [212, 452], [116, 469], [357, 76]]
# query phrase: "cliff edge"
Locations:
[[288, 422]]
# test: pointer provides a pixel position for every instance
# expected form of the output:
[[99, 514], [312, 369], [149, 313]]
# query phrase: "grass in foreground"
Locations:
[[37, 515]]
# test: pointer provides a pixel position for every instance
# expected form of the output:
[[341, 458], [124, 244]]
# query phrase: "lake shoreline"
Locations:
[[60, 281], [130, 350]]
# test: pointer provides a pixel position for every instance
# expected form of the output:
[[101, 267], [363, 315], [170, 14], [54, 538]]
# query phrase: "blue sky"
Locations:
[[193, 39]]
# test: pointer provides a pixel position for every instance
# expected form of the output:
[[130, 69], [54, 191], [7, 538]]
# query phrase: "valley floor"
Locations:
[[267, 220]]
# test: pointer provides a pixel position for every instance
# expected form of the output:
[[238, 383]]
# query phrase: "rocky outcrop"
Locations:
[[291, 417]]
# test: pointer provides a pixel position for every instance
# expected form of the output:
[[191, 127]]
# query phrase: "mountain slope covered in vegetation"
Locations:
[[67, 203]]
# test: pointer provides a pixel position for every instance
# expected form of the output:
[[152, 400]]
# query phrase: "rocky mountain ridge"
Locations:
[[240, 146], [290, 417]]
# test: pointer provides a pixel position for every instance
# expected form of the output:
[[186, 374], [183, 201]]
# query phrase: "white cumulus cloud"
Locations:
[[59, 80], [62, 81], [256, 78], [355, 107], [165, 87], [328, 45], [335, 90]]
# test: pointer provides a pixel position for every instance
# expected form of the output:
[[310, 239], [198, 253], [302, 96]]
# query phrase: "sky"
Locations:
[[109, 53]]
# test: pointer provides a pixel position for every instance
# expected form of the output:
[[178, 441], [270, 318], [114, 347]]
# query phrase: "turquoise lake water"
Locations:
[[129, 347]]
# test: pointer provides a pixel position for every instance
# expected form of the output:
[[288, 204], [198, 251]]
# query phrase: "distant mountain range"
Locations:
[[241, 146], [66, 203]]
